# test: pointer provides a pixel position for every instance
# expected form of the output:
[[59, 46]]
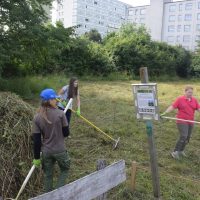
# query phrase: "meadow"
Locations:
[[109, 105]]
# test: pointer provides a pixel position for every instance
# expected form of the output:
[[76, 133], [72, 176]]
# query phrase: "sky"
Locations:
[[136, 2]]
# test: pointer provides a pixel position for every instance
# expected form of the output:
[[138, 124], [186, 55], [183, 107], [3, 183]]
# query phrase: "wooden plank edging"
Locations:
[[90, 186]]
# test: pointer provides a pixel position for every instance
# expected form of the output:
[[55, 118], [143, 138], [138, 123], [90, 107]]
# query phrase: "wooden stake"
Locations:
[[133, 175]]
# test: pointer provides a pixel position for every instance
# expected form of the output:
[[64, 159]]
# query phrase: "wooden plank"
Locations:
[[90, 186], [101, 164]]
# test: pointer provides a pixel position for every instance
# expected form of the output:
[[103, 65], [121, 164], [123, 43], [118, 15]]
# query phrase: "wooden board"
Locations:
[[90, 186]]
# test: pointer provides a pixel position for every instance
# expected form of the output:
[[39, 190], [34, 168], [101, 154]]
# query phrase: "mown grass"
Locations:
[[109, 105]]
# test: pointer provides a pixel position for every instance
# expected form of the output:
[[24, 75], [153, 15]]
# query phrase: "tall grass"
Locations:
[[30, 87]]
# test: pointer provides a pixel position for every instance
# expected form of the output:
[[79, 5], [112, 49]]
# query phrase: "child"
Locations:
[[50, 127], [67, 92]]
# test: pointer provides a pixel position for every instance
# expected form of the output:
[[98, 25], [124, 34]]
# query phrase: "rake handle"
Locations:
[[25, 181], [184, 120]]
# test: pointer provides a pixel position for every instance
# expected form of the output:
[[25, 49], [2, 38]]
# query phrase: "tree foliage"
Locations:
[[132, 48], [93, 35], [28, 44]]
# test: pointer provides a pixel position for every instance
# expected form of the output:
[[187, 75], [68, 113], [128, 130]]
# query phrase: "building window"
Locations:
[[171, 28], [95, 2], [179, 28], [198, 27], [85, 26], [172, 8], [198, 5], [170, 39], [136, 11], [171, 18], [101, 23], [130, 12], [186, 38], [180, 7], [188, 17], [188, 6], [136, 20], [178, 38], [142, 20], [142, 11], [179, 18], [186, 47], [187, 28], [86, 19], [198, 16], [197, 37]]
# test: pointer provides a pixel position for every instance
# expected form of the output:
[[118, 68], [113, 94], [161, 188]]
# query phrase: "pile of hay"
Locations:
[[15, 146]]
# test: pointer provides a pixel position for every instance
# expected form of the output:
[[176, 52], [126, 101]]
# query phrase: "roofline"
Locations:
[[139, 6], [177, 1]]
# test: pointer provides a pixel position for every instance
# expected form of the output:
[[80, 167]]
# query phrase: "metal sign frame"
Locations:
[[146, 101]]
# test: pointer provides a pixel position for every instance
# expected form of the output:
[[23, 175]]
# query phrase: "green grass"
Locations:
[[109, 105]]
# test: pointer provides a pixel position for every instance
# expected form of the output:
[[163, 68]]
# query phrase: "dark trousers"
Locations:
[[48, 162], [68, 115], [185, 131]]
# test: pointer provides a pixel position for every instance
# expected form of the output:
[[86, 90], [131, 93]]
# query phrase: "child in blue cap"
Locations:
[[50, 128]]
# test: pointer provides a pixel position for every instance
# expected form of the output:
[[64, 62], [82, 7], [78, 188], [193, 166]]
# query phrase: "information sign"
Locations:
[[146, 101]]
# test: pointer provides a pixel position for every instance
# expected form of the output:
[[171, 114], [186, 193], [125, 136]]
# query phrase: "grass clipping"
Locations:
[[15, 144]]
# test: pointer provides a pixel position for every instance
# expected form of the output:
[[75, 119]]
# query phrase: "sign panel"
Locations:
[[146, 101]]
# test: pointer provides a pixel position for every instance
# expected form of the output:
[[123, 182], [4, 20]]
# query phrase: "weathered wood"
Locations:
[[133, 175], [101, 164], [91, 186], [152, 149]]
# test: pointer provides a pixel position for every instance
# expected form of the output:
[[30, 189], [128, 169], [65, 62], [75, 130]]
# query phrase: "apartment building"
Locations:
[[177, 23], [174, 22], [103, 15], [182, 23]]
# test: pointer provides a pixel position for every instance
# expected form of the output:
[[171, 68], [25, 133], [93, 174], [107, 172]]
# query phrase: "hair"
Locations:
[[43, 110], [73, 91], [188, 87]]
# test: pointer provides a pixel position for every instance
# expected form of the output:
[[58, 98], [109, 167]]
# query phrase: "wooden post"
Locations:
[[133, 175], [151, 141], [101, 164]]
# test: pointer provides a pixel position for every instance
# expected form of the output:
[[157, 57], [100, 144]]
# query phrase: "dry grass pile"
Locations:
[[15, 143]]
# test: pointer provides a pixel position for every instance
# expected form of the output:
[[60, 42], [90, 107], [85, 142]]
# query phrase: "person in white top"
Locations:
[[67, 92]]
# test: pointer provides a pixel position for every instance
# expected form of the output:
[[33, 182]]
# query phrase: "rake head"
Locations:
[[116, 143]]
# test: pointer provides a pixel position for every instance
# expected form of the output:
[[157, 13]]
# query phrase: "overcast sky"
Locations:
[[138, 2]]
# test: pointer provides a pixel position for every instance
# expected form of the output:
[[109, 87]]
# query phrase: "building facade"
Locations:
[[177, 23], [102, 15]]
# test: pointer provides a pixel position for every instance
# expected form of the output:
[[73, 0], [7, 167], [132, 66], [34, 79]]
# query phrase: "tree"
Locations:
[[94, 35], [21, 25]]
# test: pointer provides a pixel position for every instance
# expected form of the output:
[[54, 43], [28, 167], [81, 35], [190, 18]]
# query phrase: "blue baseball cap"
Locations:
[[48, 94]]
